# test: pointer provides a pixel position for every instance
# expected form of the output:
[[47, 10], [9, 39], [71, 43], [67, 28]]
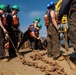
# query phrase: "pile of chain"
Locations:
[[50, 68], [38, 56]]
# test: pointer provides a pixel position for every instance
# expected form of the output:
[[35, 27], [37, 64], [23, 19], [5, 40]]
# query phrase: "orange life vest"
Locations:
[[31, 34], [4, 21], [46, 20]]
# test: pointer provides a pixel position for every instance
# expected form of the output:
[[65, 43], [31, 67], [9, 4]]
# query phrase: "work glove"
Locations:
[[6, 35]]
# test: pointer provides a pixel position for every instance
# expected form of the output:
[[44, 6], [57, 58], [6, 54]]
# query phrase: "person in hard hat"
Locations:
[[3, 31], [38, 42], [35, 22], [13, 29], [68, 7], [31, 34], [53, 44]]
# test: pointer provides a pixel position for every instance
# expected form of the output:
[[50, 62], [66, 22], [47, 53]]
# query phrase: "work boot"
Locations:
[[60, 58], [4, 59], [66, 57], [72, 65], [49, 54], [12, 55]]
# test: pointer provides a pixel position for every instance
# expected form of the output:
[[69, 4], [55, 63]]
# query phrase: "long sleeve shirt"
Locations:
[[65, 6]]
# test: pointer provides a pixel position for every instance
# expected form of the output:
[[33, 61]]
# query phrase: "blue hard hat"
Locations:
[[51, 3]]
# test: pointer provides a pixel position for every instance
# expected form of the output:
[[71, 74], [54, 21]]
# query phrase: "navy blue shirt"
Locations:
[[33, 29], [65, 6], [9, 19]]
